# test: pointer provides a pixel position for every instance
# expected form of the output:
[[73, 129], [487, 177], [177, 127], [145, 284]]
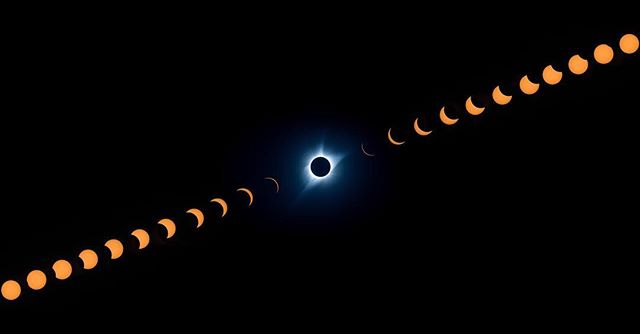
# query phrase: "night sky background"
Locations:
[[116, 126]]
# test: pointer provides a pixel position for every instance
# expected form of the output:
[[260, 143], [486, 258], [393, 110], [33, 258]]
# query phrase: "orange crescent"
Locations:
[[499, 97], [222, 203], [445, 119], [419, 131], [248, 192], [394, 142], [274, 181], [199, 216], [551, 76], [471, 108], [115, 247], [142, 236], [169, 225], [528, 87], [365, 152], [89, 259]]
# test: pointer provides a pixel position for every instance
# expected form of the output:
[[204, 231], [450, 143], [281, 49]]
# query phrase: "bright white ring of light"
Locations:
[[313, 176], [334, 160]]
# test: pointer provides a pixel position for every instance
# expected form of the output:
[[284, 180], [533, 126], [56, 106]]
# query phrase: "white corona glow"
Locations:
[[313, 176], [334, 160]]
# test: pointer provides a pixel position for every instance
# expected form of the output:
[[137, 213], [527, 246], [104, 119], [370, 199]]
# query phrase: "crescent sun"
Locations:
[[445, 119], [199, 216], [528, 87], [248, 192], [274, 181], [115, 247], [169, 225], [419, 131], [472, 109], [222, 203], [365, 152], [551, 76], [499, 97], [89, 259], [142, 236], [394, 142]]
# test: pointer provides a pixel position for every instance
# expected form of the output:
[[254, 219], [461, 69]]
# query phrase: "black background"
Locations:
[[110, 127]]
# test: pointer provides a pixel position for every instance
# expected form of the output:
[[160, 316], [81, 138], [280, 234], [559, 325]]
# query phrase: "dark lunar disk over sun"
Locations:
[[320, 166]]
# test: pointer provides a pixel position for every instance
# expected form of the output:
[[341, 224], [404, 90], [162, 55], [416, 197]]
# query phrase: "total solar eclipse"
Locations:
[[325, 178], [320, 167]]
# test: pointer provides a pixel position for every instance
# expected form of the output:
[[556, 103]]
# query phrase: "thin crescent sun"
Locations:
[[445, 119], [394, 142], [223, 204], [472, 109], [365, 152], [274, 181], [419, 131], [169, 225], [248, 192], [199, 216]]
